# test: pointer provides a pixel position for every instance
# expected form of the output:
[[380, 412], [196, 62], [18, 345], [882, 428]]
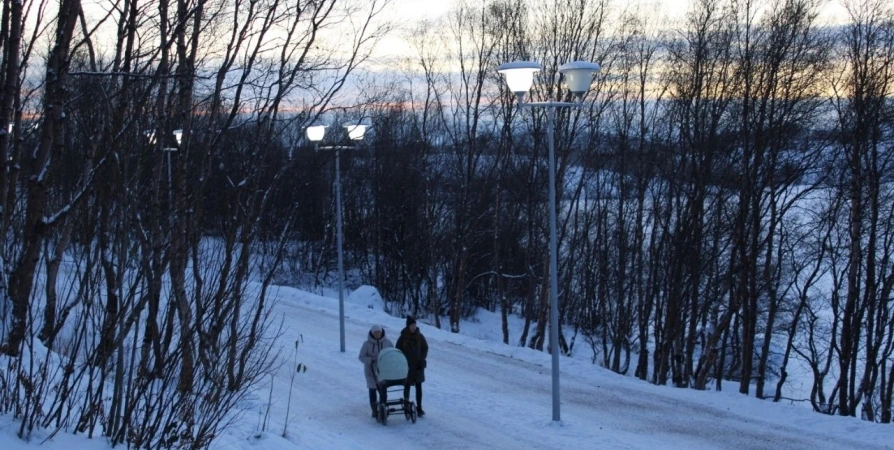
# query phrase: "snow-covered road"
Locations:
[[483, 394]]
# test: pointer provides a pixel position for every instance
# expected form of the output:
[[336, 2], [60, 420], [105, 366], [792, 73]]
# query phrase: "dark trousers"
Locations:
[[372, 398], [418, 392]]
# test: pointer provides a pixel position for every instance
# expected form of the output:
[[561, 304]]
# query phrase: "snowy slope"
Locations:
[[483, 394]]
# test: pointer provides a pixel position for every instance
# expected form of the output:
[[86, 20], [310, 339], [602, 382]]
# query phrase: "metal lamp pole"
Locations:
[[553, 262], [520, 77], [355, 133], [178, 135], [341, 259]]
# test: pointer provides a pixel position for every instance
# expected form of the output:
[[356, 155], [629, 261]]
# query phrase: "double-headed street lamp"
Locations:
[[315, 134], [178, 135], [578, 77]]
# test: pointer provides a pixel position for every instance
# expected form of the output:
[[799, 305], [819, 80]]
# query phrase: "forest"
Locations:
[[725, 194]]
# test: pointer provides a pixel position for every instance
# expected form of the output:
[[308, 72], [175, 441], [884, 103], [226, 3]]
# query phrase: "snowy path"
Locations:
[[477, 397]]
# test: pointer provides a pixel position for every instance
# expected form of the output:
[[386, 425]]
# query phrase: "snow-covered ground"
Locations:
[[481, 393]]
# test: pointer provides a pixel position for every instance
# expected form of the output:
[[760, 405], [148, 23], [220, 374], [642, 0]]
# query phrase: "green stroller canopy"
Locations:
[[391, 365]]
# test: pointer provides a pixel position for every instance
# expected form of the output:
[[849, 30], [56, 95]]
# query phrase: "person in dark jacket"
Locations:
[[412, 343], [369, 354]]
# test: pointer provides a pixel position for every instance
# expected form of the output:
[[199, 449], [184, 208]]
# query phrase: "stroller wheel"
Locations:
[[383, 414], [412, 412]]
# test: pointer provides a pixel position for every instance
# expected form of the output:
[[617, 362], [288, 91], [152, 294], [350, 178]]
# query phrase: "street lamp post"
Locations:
[[578, 76], [178, 135], [355, 133]]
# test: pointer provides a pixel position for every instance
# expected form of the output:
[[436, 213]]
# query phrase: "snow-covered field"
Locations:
[[481, 393]]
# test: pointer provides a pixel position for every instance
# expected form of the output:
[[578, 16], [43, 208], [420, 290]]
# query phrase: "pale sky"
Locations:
[[419, 9], [422, 9], [410, 12]]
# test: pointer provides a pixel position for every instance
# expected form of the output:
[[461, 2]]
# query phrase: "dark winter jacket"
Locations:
[[415, 348], [369, 353]]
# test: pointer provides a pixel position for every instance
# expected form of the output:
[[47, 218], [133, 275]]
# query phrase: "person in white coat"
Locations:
[[369, 354]]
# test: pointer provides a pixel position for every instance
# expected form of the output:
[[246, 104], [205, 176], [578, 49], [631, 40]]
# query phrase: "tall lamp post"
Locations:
[[315, 134], [178, 135], [578, 76]]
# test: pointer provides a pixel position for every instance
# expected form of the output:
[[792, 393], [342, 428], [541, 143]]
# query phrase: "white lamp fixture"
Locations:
[[519, 76], [578, 76], [355, 132], [178, 134], [316, 133]]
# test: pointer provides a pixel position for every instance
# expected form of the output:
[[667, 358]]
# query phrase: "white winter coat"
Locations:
[[369, 353]]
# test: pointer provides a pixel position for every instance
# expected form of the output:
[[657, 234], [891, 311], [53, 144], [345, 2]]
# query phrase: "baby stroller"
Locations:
[[391, 370]]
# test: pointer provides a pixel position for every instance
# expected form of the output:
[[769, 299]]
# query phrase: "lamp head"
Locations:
[[578, 76], [178, 135], [315, 133], [356, 132], [519, 76]]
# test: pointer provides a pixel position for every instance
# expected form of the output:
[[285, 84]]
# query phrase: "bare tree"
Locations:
[[127, 204], [862, 104]]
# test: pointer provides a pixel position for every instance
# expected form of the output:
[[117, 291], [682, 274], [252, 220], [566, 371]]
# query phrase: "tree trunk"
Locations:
[[37, 187]]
